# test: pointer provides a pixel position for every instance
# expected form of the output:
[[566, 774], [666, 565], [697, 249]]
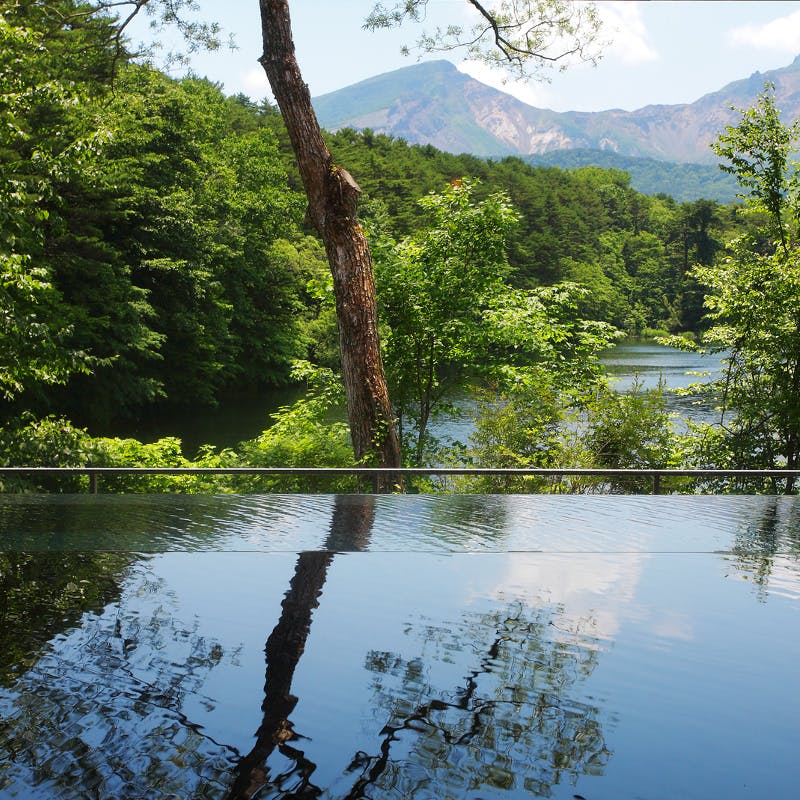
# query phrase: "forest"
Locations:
[[155, 255]]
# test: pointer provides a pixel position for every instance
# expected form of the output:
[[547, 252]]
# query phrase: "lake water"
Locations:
[[237, 419], [650, 364], [426, 647]]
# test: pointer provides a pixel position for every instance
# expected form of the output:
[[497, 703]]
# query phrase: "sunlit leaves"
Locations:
[[453, 321], [521, 37], [757, 152], [33, 158], [754, 297]]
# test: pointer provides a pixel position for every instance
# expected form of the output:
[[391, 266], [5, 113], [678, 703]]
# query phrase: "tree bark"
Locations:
[[332, 203]]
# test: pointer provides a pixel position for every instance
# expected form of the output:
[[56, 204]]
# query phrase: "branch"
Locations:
[[517, 36]]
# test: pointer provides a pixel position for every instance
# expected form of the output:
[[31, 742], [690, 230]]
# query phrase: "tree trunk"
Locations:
[[332, 201]]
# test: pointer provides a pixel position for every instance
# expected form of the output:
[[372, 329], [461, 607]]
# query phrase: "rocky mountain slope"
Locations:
[[434, 103]]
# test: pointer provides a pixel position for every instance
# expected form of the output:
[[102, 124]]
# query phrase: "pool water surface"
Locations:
[[357, 646]]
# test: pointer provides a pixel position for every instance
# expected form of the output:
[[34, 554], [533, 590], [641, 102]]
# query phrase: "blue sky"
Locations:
[[662, 51]]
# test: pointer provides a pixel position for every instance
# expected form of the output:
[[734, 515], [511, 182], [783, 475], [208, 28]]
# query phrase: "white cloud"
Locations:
[[782, 34], [629, 39], [629, 43], [254, 83]]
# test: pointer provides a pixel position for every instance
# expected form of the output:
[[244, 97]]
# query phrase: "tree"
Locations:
[[333, 195], [332, 210], [36, 152], [453, 321], [754, 297], [522, 33], [437, 293], [522, 37]]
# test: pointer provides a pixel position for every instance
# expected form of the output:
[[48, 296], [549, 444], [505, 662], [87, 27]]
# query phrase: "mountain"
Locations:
[[434, 103]]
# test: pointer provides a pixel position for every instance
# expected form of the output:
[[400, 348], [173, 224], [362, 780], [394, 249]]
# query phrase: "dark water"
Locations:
[[233, 420], [399, 647], [237, 419]]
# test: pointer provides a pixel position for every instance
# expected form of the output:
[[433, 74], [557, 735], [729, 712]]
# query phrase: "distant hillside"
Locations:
[[683, 182], [434, 103], [430, 103]]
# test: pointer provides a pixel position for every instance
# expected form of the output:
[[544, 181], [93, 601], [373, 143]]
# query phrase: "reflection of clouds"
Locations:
[[782, 578], [671, 625], [597, 589]]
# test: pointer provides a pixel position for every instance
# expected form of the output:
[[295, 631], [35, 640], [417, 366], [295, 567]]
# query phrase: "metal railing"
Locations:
[[96, 473]]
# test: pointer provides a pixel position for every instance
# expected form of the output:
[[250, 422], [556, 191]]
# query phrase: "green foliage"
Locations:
[[203, 210], [151, 250], [757, 153], [452, 322], [542, 424], [685, 183], [139, 221], [587, 226], [163, 453], [434, 290], [630, 430], [303, 435], [754, 299], [519, 428], [36, 151], [46, 442]]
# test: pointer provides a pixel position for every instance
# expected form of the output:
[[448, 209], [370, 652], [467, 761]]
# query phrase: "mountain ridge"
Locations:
[[433, 103]]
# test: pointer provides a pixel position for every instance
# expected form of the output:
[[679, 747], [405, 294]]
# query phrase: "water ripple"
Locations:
[[445, 523]]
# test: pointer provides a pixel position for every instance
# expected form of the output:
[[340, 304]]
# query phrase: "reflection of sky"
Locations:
[[594, 592], [784, 577], [693, 677], [700, 680], [681, 653]]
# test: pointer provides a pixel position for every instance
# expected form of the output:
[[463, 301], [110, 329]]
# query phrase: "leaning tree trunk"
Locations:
[[332, 200]]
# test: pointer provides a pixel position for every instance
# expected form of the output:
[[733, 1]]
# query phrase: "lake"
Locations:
[[650, 363], [237, 419], [426, 647]]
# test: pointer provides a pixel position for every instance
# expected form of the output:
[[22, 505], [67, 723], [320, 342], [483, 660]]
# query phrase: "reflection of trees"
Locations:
[[467, 521], [139, 523], [350, 529], [100, 713], [510, 724], [104, 712], [773, 531], [44, 594]]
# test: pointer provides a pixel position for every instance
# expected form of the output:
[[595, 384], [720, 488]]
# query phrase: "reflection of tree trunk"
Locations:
[[351, 526], [284, 647], [351, 523], [332, 200]]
